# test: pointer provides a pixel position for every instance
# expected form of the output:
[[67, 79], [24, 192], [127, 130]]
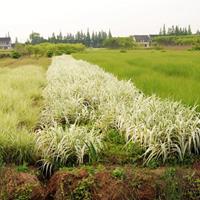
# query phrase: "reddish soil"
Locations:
[[63, 183], [137, 184], [14, 184]]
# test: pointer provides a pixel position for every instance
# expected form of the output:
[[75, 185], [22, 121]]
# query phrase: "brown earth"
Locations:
[[81, 183], [14, 185]]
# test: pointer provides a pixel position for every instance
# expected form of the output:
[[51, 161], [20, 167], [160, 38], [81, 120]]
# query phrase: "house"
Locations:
[[142, 40], [5, 43]]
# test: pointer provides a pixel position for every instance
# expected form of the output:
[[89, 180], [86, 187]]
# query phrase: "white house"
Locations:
[[5, 43], [142, 40]]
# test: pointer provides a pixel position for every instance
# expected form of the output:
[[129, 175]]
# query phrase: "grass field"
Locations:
[[75, 123], [44, 62], [21, 84], [168, 74]]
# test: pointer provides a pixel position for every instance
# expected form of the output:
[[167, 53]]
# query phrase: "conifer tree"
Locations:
[[189, 30], [164, 30], [109, 34]]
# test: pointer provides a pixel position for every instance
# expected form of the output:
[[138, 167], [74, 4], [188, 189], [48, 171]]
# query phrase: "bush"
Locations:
[[49, 50], [49, 53], [15, 55], [5, 54], [177, 40], [120, 42], [196, 48]]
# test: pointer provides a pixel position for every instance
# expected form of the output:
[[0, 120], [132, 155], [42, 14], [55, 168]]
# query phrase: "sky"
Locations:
[[122, 17]]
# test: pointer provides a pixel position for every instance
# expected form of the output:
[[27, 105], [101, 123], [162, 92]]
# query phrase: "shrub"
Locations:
[[119, 42], [49, 53], [177, 40], [48, 49], [5, 54], [15, 55], [196, 48]]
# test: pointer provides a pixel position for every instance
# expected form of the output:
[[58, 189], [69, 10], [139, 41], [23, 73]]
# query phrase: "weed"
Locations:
[[152, 164], [118, 173], [191, 188], [172, 188], [23, 193], [22, 168], [83, 190]]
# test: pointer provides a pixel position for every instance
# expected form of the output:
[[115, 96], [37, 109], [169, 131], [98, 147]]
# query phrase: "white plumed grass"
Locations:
[[83, 94], [57, 145]]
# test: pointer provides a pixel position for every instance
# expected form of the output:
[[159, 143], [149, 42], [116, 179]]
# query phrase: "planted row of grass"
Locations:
[[82, 97], [20, 106]]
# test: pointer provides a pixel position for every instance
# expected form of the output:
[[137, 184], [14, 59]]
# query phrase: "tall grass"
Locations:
[[20, 104], [44, 62], [168, 74], [58, 146], [82, 94]]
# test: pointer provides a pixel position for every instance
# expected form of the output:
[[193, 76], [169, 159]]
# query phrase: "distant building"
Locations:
[[5, 43], [142, 40]]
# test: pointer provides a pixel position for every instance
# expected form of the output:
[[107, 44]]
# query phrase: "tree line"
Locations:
[[94, 39], [176, 30]]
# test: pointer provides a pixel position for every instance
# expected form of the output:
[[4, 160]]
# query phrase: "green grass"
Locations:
[[168, 74], [20, 106]]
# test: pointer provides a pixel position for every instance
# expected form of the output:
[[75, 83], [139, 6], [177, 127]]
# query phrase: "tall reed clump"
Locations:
[[83, 95], [20, 103]]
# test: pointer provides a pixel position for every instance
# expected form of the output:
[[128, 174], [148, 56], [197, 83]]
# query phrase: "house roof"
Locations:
[[143, 38], [5, 39]]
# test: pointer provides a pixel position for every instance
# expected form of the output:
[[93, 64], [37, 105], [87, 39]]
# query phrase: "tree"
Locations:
[[88, 40], [185, 31], [160, 32], [169, 32], [119, 42], [60, 37], [109, 34], [91, 40], [164, 30], [35, 38], [177, 32], [189, 30], [16, 41], [53, 38]]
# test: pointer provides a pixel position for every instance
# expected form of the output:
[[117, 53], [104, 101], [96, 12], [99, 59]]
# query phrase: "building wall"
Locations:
[[144, 44], [5, 45]]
